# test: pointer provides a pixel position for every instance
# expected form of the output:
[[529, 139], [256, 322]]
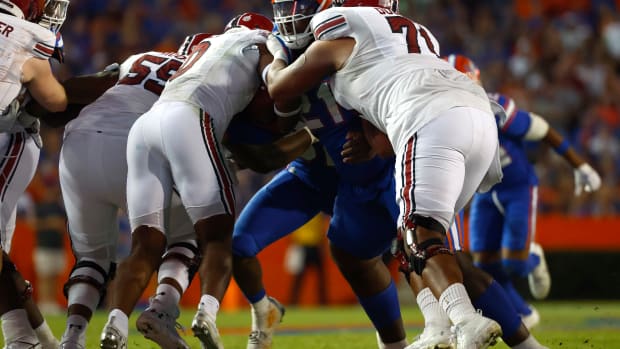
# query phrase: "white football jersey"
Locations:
[[20, 40], [220, 75], [141, 80], [394, 77]]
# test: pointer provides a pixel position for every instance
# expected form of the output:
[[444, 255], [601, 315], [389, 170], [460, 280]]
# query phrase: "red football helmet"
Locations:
[[293, 19], [190, 41], [464, 65], [30, 10], [388, 4], [250, 20]]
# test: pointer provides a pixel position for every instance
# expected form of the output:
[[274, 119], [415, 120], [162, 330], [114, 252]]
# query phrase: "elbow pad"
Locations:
[[538, 128]]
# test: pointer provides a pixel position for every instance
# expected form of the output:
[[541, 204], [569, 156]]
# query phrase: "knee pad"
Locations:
[[420, 252], [91, 272], [186, 253], [516, 267], [425, 222]]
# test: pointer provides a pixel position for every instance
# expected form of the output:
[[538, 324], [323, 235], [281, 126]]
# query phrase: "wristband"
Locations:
[[563, 147], [287, 114], [263, 74]]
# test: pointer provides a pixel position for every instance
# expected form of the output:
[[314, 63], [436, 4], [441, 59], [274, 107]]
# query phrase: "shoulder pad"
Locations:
[[330, 24]]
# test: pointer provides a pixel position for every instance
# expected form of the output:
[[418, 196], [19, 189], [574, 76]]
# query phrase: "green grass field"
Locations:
[[566, 325]]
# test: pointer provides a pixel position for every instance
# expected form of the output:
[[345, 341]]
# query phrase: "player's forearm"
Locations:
[[561, 146], [85, 89]]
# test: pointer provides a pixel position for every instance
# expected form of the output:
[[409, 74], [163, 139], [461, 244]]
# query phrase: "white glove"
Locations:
[[278, 49], [586, 179], [7, 119], [32, 125]]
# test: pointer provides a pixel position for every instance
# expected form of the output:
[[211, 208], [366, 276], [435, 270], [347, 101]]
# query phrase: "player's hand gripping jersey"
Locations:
[[223, 82], [394, 76], [141, 80], [19, 41]]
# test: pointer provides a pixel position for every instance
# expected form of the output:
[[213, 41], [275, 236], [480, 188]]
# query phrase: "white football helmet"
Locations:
[[54, 14]]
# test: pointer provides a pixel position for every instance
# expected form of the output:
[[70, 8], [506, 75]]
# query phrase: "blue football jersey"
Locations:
[[515, 164], [330, 123]]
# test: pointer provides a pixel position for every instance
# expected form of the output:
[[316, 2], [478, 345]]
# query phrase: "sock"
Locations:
[[168, 296], [256, 297], [497, 272], [529, 343], [120, 320], [432, 312], [76, 325], [45, 335], [259, 311], [495, 304], [456, 303], [382, 308], [210, 305], [84, 294], [15, 326]]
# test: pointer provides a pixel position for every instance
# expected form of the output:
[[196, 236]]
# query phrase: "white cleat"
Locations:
[[52, 344], [477, 332], [111, 337], [161, 328], [434, 338], [539, 279], [205, 330], [262, 338], [531, 320]]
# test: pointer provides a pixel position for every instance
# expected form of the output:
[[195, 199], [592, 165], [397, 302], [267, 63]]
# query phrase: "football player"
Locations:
[[178, 141], [93, 172], [359, 198], [502, 222], [26, 47], [438, 122]]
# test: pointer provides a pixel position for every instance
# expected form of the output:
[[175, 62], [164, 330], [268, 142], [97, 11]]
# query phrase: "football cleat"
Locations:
[[161, 328], [205, 330], [264, 325], [477, 332], [111, 337], [539, 279], [434, 338]]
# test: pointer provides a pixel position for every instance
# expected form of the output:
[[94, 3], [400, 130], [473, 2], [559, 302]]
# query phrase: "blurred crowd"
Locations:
[[560, 59]]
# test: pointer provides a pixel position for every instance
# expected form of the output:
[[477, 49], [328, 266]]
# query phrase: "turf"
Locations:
[[593, 324]]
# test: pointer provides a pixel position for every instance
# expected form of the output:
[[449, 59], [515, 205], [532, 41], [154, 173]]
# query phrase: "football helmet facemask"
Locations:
[[293, 20]]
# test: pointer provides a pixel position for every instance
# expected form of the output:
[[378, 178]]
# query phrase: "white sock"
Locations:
[[210, 305], [168, 296], [432, 312], [456, 303], [529, 343], [15, 326], [259, 308], [76, 326], [45, 335], [120, 320], [83, 294]]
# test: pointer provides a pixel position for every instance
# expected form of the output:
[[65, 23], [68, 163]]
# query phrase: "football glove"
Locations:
[[278, 49], [586, 178], [8, 118]]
